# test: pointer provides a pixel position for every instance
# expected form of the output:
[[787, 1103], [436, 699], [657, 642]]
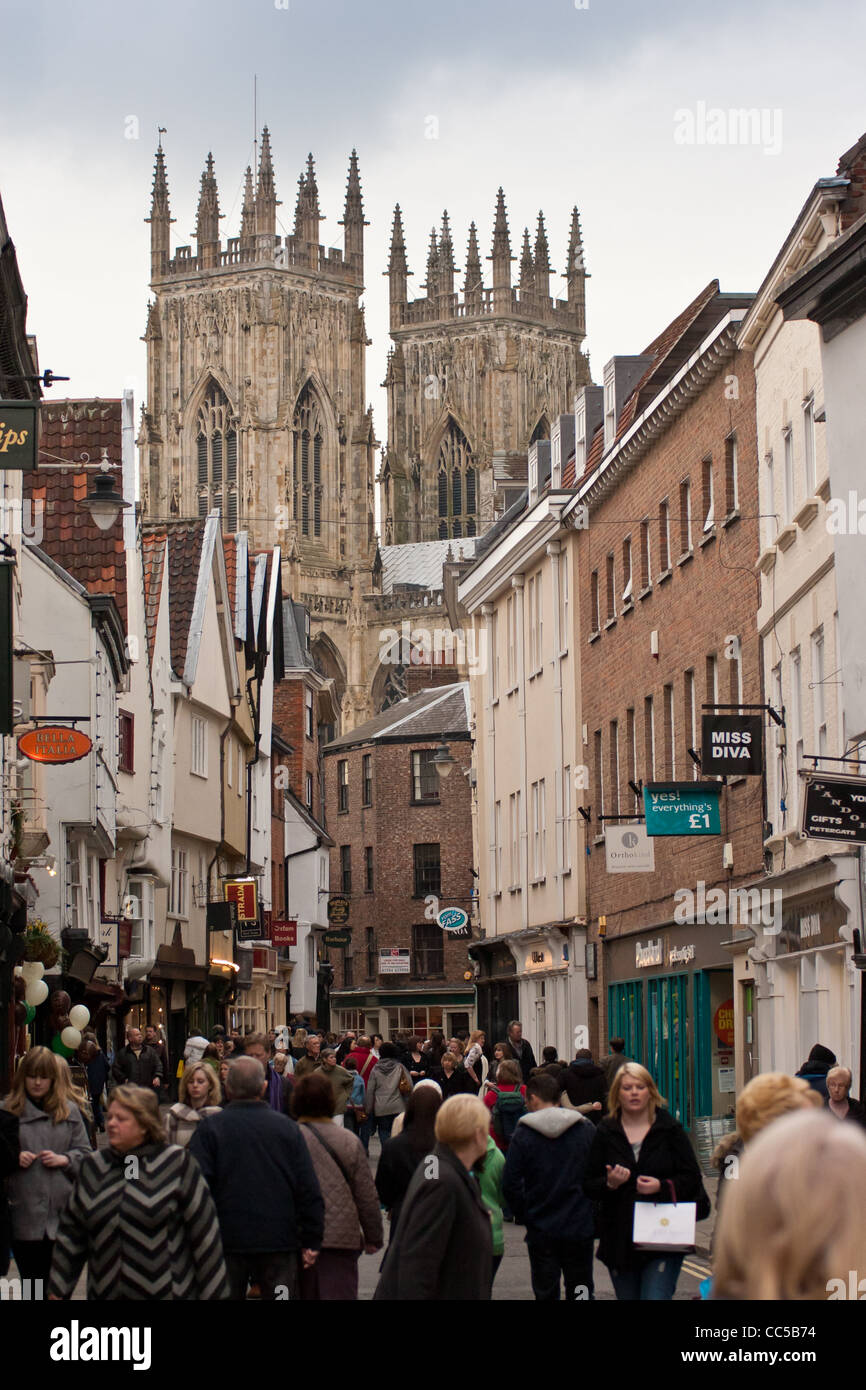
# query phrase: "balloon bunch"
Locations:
[[67, 1023]]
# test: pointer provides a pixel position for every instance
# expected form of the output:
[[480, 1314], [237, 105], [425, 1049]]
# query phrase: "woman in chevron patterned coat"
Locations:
[[141, 1216]]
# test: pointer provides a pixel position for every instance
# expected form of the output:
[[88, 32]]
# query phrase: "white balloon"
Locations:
[[33, 969], [70, 1037], [36, 993], [79, 1016]]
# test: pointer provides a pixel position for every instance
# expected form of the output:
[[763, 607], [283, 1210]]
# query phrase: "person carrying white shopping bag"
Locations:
[[643, 1172]]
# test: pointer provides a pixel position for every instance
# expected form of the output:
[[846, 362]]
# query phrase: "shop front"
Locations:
[[536, 975], [416, 1013], [670, 996]]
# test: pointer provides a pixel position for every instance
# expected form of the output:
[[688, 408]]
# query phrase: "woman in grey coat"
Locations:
[[385, 1100], [54, 1140]]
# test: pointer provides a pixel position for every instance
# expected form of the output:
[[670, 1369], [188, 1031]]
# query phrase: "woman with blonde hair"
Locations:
[[640, 1154], [794, 1222], [763, 1099], [474, 1061], [140, 1216], [54, 1141], [200, 1096], [442, 1248]]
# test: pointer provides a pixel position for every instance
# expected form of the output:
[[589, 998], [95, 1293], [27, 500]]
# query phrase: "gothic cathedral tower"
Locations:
[[472, 382], [256, 397]]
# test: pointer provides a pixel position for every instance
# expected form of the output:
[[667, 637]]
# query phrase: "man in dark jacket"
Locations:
[[261, 1176], [616, 1060], [815, 1069], [584, 1084], [137, 1064], [522, 1050], [543, 1186]]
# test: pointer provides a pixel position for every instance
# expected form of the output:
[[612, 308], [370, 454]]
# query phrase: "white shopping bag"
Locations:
[[664, 1226]]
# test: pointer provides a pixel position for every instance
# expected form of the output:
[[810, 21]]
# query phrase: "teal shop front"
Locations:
[[670, 996]]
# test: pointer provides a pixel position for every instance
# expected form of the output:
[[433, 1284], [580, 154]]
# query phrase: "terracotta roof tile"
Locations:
[[153, 544], [76, 432], [184, 542]]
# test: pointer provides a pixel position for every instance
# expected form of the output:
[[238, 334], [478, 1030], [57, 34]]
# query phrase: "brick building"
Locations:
[[402, 850], [666, 468]]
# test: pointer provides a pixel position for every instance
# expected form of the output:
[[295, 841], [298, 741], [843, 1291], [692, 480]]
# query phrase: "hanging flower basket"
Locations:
[[39, 944]]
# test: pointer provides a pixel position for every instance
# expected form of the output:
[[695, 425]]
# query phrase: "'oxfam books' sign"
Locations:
[[682, 808]]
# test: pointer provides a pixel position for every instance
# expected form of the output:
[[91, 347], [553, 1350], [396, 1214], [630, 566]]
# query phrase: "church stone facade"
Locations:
[[256, 402], [473, 381]]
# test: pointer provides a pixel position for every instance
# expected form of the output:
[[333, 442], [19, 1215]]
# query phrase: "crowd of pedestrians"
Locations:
[[258, 1180]]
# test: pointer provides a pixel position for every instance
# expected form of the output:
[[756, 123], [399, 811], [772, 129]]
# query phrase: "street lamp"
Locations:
[[442, 760], [103, 501]]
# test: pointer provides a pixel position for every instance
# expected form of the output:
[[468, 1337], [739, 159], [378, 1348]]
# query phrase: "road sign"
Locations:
[[338, 911], [628, 850], [682, 808], [337, 938], [732, 744], [834, 807]]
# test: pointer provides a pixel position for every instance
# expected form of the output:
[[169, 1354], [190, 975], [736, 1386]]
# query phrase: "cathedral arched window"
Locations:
[[217, 458], [457, 485], [307, 448]]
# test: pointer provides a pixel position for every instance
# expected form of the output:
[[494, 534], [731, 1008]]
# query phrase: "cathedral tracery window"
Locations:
[[457, 485], [217, 458], [307, 441]]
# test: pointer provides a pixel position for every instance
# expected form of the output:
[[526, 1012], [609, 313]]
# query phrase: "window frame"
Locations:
[[198, 747], [421, 761], [427, 876]]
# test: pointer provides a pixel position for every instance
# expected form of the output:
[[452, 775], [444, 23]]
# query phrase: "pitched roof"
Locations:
[[153, 545], [296, 651], [185, 540], [669, 352], [442, 712], [80, 432], [421, 562]]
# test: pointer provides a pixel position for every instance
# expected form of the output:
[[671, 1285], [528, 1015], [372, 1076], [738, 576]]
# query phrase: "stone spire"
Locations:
[[248, 211], [576, 273], [501, 257], [542, 261], [160, 219], [473, 279], [353, 216], [432, 284], [398, 271], [527, 267], [266, 193], [307, 214], [446, 258], [207, 227]]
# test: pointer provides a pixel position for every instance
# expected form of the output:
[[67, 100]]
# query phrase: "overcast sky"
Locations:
[[557, 103]]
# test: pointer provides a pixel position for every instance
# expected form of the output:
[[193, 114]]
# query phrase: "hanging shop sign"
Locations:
[[682, 808], [834, 808], [221, 916], [54, 743], [285, 932], [337, 938], [628, 849], [338, 911], [455, 921], [732, 744], [242, 891], [19, 435]]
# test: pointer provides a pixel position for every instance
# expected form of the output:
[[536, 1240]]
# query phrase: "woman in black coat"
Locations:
[[443, 1245], [10, 1150], [640, 1154], [402, 1154]]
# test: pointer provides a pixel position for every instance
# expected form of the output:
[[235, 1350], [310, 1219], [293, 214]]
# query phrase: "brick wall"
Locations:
[[391, 826], [289, 722], [706, 600]]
